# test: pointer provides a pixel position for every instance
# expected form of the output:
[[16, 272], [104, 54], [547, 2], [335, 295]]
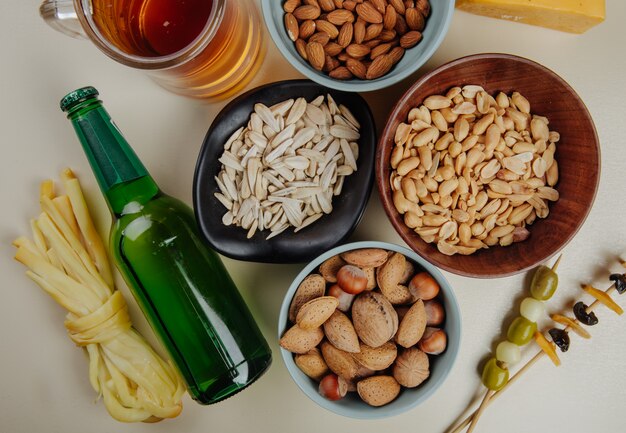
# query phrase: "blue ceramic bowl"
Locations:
[[434, 32], [440, 366]]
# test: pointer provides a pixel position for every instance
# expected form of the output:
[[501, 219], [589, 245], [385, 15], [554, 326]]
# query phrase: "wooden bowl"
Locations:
[[578, 156]]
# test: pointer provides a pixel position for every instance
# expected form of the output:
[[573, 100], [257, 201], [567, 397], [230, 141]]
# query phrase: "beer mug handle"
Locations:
[[61, 16]]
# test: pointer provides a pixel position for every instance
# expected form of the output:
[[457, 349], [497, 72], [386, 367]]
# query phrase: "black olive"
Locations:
[[620, 282], [580, 311], [560, 338]]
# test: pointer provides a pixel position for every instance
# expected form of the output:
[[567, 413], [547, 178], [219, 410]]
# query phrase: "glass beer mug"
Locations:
[[196, 48]]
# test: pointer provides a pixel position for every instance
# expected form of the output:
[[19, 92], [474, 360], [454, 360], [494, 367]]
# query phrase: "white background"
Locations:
[[43, 377]]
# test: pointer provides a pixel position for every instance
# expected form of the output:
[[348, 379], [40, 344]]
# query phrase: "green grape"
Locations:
[[544, 283], [494, 376], [521, 331]]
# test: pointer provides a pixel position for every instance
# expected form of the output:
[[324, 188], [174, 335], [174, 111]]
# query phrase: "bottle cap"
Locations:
[[77, 96]]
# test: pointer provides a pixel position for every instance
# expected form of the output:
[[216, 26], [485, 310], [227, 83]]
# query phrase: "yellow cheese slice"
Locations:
[[574, 16]]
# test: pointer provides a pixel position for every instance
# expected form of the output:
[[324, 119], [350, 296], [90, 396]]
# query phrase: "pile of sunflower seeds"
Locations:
[[283, 169]]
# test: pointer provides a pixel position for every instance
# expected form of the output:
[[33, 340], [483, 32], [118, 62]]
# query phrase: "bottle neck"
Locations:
[[123, 179]]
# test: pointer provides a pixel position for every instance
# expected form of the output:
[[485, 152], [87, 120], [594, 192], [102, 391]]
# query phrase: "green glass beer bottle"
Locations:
[[180, 284]]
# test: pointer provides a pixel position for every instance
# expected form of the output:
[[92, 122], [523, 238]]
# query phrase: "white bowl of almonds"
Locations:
[[357, 46], [369, 330], [488, 165]]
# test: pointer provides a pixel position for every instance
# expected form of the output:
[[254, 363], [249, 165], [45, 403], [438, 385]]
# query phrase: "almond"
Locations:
[[398, 6], [396, 54], [301, 48], [357, 68], [345, 34], [327, 5], [332, 49], [370, 273], [380, 50], [410, 39], [365, 257], [307, 12], [343, 57], [372, 31], [340, 16], [341, 363], [330, 267], [312, 364], [401, 27], [389, 20], [414, 19], [330, 64], [390, 273], [321, 38], [377, 358], [423, 6], [340, 332], [378, 390], [290, 5], [307, 28], [291, 25], [341, 73], [388, 36], [316, 55], [372, 44], [374, 319], [325, 26], [315, 312], [369, 13], [400, 295], [298, 340], [357, 50], [380, 5], [411, 368], [412, 326], [379, 67], [313, 286], [359, 31], [349, 5]]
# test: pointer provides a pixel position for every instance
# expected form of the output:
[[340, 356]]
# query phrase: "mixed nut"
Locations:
[[470, 170], [283, 169], [354, 38], [366, 323]]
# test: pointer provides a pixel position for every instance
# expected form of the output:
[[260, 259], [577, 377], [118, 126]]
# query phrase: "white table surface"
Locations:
[[43, 376]]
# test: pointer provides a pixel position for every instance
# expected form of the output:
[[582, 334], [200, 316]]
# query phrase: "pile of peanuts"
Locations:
[[471, 171]]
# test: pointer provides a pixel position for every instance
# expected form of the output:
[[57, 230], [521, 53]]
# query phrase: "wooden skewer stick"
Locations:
[[479, 412], [472, 419], [556, 264]]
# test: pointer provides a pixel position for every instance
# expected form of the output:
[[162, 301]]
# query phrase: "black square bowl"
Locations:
[[287, 247]]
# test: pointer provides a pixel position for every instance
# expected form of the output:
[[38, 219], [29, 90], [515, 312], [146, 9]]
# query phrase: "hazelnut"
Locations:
[[424, 286], [435, 313], [332, 387], [433, 341], [351, 279], [345, 299]]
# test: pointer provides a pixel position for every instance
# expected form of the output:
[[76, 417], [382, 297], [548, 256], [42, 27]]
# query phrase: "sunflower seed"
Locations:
[[297, 111], [340, 131]]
